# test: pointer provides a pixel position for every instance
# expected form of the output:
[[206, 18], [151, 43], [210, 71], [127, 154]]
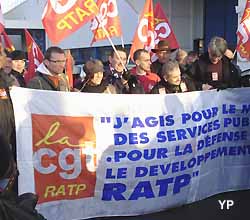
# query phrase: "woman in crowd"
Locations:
[[93, 82]]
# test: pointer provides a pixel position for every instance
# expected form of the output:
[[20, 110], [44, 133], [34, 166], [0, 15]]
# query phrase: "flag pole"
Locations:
[[111, 42], [122, 41]]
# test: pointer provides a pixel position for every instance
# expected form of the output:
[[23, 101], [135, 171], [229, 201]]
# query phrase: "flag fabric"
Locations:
[[243, 33], [144, 35], [61, 18], [163, 28], [35, 56], [109, 18], [69, 67], [7, 42], [1, 20]]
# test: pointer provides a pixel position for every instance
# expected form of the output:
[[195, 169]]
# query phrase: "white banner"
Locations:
[[89, 155]]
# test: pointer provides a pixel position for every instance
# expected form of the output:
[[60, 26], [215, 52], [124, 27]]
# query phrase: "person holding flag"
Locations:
[[116, 74]]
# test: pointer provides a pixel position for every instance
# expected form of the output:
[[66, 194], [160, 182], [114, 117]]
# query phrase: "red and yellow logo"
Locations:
[[64, 157]]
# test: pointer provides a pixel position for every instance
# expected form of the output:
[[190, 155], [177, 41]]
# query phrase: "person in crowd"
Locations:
[[7, 68], [192, 56], [181, 57], [18, 66], [50, 73], [7, 122], [142, 70], [163, 52], [172, 81], [116, 73], [245, 78], [93, 82], [7, 164], [214, 70]]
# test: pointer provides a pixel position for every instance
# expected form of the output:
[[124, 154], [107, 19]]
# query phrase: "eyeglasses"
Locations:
[[58, 61]]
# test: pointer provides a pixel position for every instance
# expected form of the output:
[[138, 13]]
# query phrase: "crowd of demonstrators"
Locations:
[[172, 80], [188, 72], [50, 73]]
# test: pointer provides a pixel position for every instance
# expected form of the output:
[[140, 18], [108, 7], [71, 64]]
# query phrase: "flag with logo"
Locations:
[[243, 33], [62, 18], [144, 35], [163, 29], [107, 22], [35, 56]]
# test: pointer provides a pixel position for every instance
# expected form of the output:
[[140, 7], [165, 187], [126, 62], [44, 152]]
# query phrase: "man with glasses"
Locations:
[[50, 73], [214, 70]]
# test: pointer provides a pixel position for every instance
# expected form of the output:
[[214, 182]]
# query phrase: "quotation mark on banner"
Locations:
[[105, 119]]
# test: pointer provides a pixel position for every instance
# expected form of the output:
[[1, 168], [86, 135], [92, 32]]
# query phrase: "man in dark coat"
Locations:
[[50, 75], [163, 52], [117, 75], [214, 70]]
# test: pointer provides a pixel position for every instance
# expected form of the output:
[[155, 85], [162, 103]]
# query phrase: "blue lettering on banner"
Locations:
[[136, 155], [198, 116], [144, 189], [130, 138], [150, 121]]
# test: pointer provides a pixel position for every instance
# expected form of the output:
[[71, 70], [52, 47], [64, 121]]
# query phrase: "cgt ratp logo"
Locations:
[[64, 157]]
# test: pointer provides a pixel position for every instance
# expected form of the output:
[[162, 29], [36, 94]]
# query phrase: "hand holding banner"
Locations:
[[62, 19]]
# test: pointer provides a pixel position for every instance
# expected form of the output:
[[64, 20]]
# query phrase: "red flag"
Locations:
[[7, 42], [35, 56], [144, 35], [108, 15], [163, 28], [243, 32], [69, 67], [62, 18], [1, 20]]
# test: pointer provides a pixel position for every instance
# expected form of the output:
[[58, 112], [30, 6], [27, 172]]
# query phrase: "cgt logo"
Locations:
[[64, 157]]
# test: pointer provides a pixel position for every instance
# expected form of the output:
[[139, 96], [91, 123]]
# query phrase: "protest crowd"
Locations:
[[174, 71]]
